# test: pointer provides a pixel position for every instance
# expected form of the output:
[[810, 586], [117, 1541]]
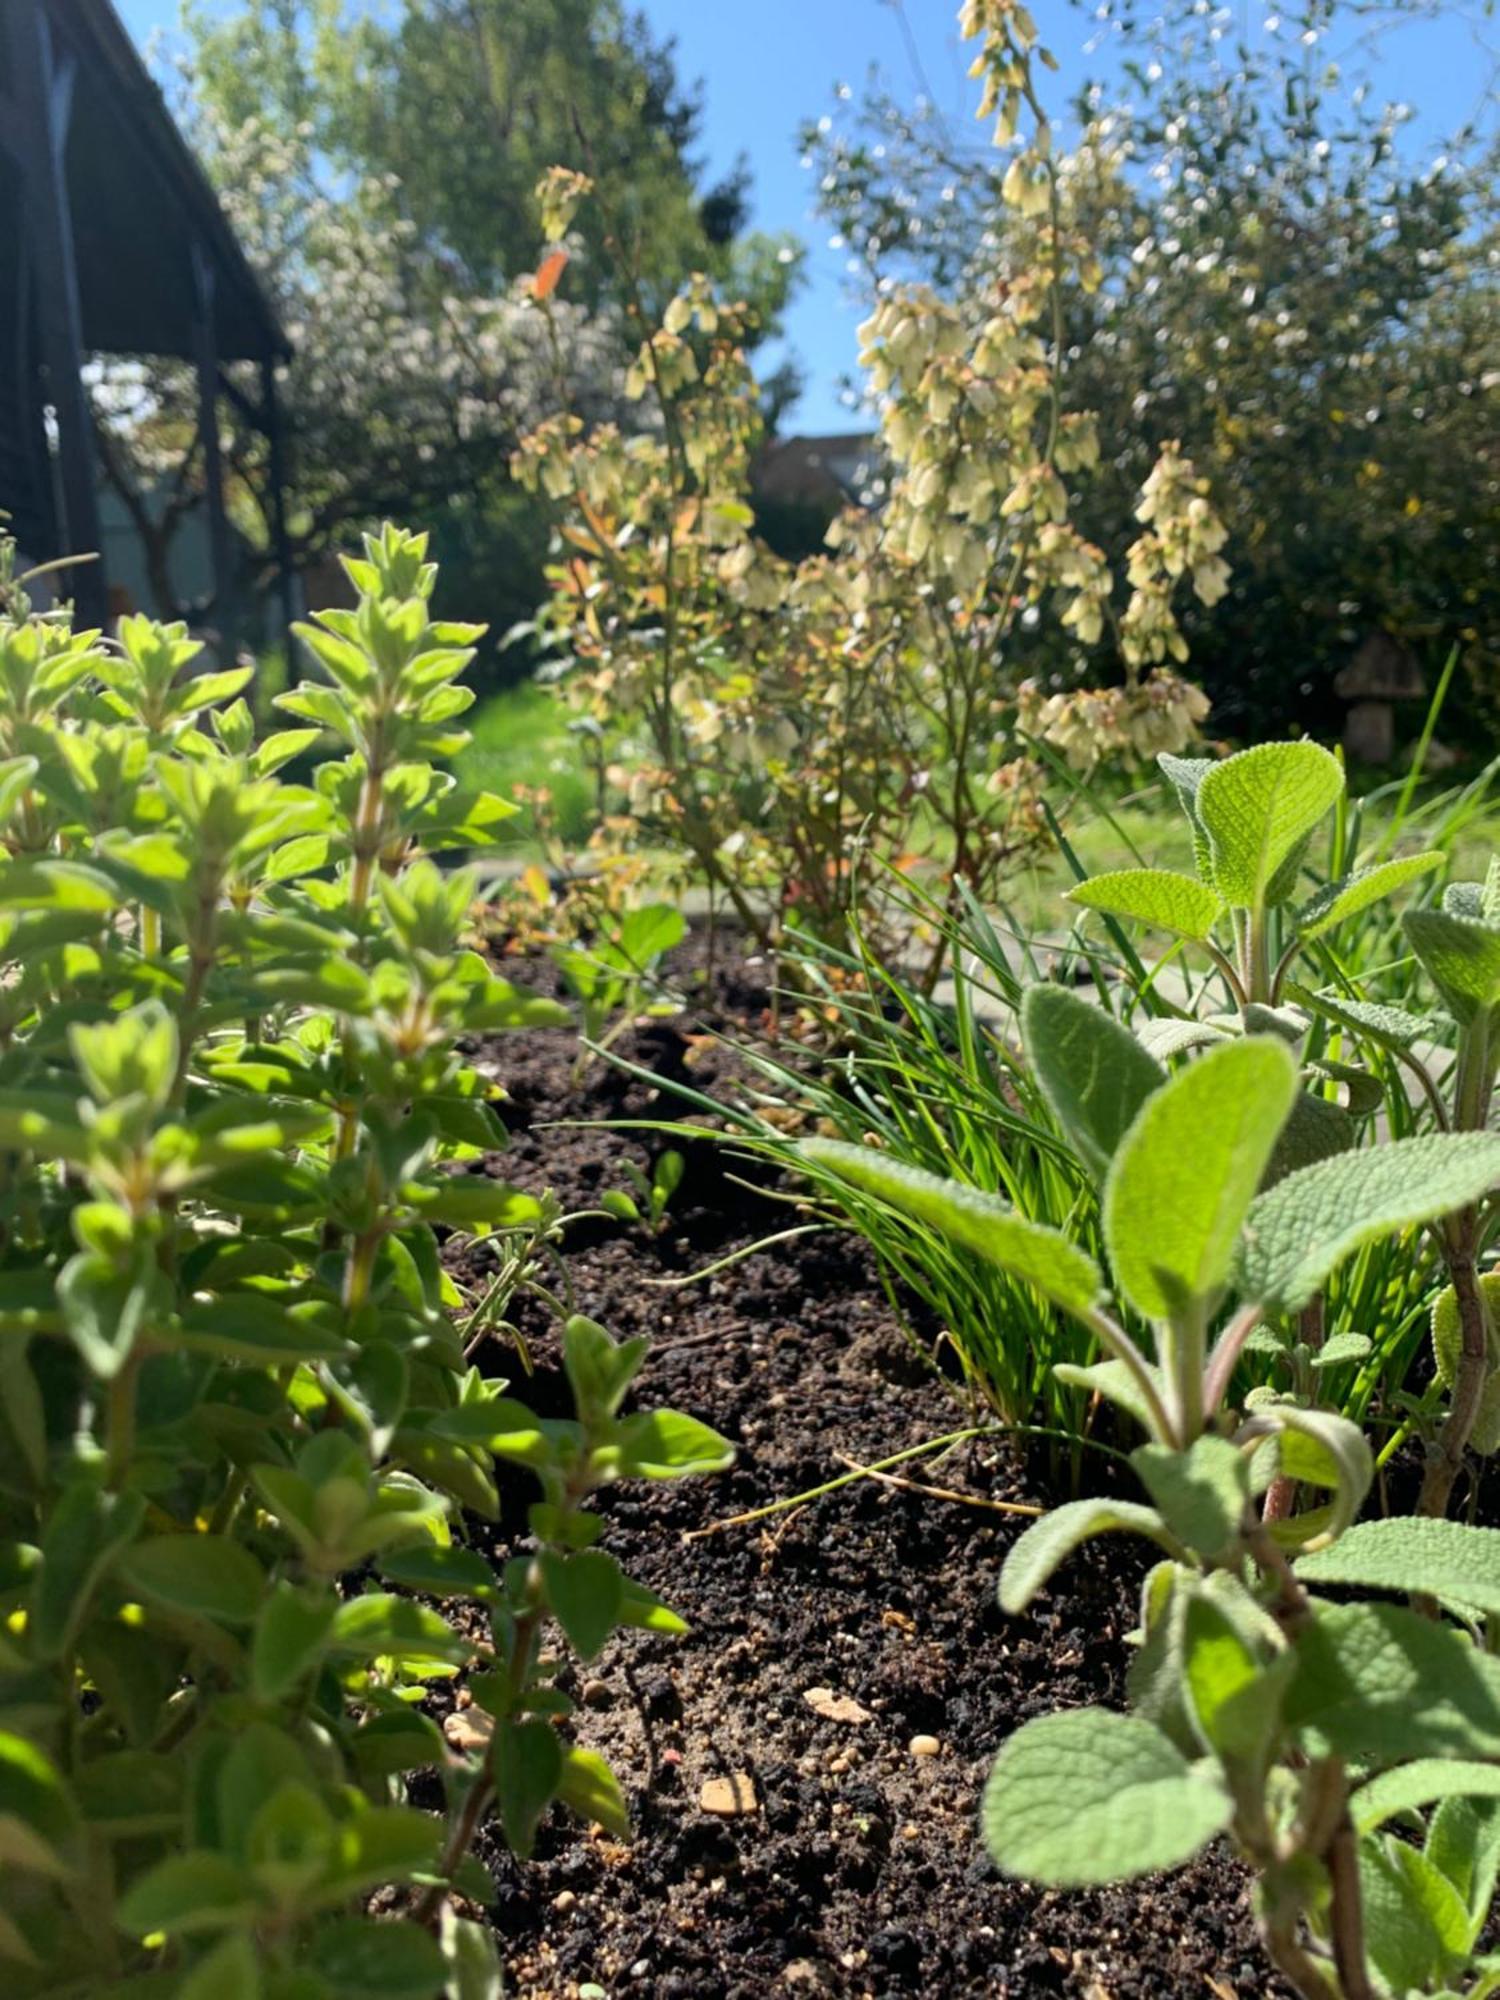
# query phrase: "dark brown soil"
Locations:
[[859, 1870]]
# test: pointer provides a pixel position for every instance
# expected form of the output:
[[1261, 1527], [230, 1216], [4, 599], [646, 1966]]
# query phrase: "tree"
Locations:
[[404, 392], [419, 359], [465, 104], [1313, 309]]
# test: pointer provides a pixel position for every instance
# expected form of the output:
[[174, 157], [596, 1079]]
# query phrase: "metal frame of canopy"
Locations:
[[111, 242]]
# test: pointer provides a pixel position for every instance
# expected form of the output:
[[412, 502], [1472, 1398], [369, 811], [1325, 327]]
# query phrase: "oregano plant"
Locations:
[[1301, 1727], [243, 1448]]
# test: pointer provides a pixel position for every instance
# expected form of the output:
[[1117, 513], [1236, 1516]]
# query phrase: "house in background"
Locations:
[[111, 242], [799, 484]]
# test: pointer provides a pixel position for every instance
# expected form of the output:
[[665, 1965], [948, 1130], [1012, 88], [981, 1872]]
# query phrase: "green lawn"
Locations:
[[522, 742]]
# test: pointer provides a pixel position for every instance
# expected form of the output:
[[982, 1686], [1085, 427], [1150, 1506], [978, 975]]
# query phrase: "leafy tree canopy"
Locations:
[[464, 104], [1283, 284]]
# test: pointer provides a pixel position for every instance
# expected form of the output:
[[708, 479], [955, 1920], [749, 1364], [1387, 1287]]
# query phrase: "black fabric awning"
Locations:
[[111, 242], [141, 207]]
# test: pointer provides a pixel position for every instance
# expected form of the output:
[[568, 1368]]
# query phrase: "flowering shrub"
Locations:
[[778, 720], [1292, 282]]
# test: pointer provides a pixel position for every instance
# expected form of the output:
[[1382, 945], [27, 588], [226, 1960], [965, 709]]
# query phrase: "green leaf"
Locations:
[[131, 1791], [1379, 1683], [1315, 1130], [209, 1576], [104, 1307], [384, 1958], [1113, 1381], [87, 1529], [1185, 775], [1235, 1698], [643, 1608], [1051, 1540], [1340, 1348], [649, 931], [1257, 810], [590, 1788], [473, 1201], [1389, 1027], [1447, 1349], [526, 1760], [1410, 1787], [1446, 1559], [1463, 1841], [1157, 896], [1093, 1072], [473, 1961], [189, 1893], [379, 1625], [1303, 1228], [585, 1592], [228, 1972], [38, 1819], [1339, 900], [1462, 959], [665, 1444], [1185, 1176], [440, 1572], [56, 885], [599, 1368], [1329, 1450], [1201, 1493], [290, 1635], [389, 1745], [972, 1219], [1167, 1037], [499, 1423], [1091, 1797], [1416, 1925], [380, 1845]]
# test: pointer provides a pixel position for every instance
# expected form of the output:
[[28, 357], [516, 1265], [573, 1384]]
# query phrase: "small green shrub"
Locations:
[[1300, 1726], [616, 973], [239, 1428]]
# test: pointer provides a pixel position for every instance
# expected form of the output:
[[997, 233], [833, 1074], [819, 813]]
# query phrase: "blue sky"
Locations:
[[767, 66]]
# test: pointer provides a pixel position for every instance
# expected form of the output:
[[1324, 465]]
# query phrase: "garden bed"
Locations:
[[857, 1869]]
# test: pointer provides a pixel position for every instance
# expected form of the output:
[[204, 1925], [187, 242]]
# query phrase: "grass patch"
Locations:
[[521, 744]]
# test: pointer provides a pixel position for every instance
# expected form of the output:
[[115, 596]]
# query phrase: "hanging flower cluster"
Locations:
[[777, 721]]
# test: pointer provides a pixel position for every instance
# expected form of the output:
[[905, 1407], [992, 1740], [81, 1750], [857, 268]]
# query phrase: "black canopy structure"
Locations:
[[111, 242]]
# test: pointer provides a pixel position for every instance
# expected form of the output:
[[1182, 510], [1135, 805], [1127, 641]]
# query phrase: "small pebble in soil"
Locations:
[[597, 1694], [729, 1798], [468, 1729], [925, 1746], [564, 1901], [835, 1707]]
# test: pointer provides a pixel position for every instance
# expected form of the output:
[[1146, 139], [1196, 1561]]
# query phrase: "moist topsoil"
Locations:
[[839, 1859]]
